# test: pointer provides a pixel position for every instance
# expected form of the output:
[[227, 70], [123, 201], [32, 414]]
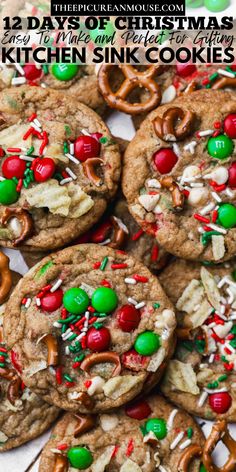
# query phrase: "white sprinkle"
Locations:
[[231, 296], [132, 301], [56, 324], [87, 314], [212, 325], [72, 148], [202, 399], [177, 440], [185, 444], [72, 158], [217, 228], [176, 149], [140, 305], [67, 351], [216, 390], [207, 209], [19, 69], [148, 457], [190, 147], [206, 132], [222, 282], [38, 302], [2, 178], [66, 181], [196, 184], [222, 309], [104, 243], [171, 418], [55, 451], [211, 358], [200, 230], [56, 285], [223, 300], [37, 123], [18, 81], [233, 317], [162, 469], [128, 280], [86, 133], [37, 128], [28, 303], [225, 73], [229, 192], [66, 335], [43, 85], [153, 183], [230, 348], [216, 197], [26, 158], [80, 336], [52, 370]]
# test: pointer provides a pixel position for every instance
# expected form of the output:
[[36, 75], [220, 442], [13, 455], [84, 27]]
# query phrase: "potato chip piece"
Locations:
[[103, 460], [191, 297], [49, 195], [211, 289], [6, 75], [181, 376], [13, 136], [117, 386], [130, 466], [218, 246], [197, 318], [35, 367], [156, 360], [81, 203], [55, 150], [3, 437], [205, 376]]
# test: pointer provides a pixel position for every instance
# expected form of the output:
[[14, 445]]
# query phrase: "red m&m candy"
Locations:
[[86, 147], [134, 361], [230, 125], [31, 72], [232, 175], [13, 166], [220, 402], [165, 160], [138, 411], [43, 169], [128, 318], [52, 301], [98, 339], [184, 70], [101, 233]]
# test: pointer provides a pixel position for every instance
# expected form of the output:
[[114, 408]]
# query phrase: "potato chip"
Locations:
[[49, 195], [211, 288], [191, 297], [156, 360], [130, 466], [117, 386], [81, 203], [103, 460], [218, 246], [197, 318], [181, 376], [13, 136]]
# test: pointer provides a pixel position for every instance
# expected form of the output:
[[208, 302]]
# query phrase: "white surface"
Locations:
[[21, 459]]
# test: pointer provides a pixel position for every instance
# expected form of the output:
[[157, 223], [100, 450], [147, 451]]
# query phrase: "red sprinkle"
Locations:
[[214, 216], [227, 350], [205, 81], [137, 235], [32, 117], [23, 301], [28, 133], [14, 150], [70, 384], [3, 349], [59, 375], [119, 266], [96, 265], [140, 278], [116, 448], [201, 218], [91, 309], [154, 253], [2, 359], [83, 343], [92, 320], [185, 192], [230, 336], [19, 185], [105, 283], [44, 143], [216, 133], [76, 365], [64, 313], [217, 125], [130, 447], [229, 366], [62, 447], [219, 188], [88, 383], [206, 228]]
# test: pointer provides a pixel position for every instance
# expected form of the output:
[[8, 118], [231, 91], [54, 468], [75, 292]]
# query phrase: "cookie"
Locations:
[[201, 377], [23, 415], [92, 328], [145, 436], [60, 165], [179, 176]]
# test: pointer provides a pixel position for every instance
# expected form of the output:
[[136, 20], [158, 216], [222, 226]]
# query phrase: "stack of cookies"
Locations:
[[130, 326]]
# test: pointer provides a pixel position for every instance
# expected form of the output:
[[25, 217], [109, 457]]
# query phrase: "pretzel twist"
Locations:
[[13, 391], [220, 432], [224, 82], [61, 464], [102, 357], [168, 128], [119, 234], [187, 457], [52, 347], [177, 196], [6, 277], [84, 424], [133, 79], [89, 169], [25, 220]]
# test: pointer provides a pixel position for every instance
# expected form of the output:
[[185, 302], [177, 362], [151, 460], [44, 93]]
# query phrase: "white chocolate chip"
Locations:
[[108, 422], [149, 201], [96, 385], [197, 196]]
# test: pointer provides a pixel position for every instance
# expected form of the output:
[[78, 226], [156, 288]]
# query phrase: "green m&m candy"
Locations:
[[8, 193], [220, 146], [104, 300], [227, 215], [202, 468], [216, 5], [147, 343], [157, 426], [80, 457], [64, 72], [76, 301], [101, 36]]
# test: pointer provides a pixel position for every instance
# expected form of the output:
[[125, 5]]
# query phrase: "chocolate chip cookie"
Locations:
[[201, 377], [92, 328], [59, 168], [145, 436], [179, 176]]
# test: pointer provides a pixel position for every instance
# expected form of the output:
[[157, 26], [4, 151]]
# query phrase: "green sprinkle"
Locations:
[[67, 131], [213, 384], [72, 337], [25, 183], [58, 176], [64, 328], [80, 358], [104, 263], [233, 330], [207, 235], [213, 76], [2, 364], [233, 343], [208, 86], [100, 315], [97, 325], [45, 69], [72, 349], [188, 345], [156, 305], [65, 147], [68, 378], [4, 354], [223, 358], [222, 378], [30, 151], [44, 269], [200, 345], [70, 319], [190, 433], [15, 180]]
